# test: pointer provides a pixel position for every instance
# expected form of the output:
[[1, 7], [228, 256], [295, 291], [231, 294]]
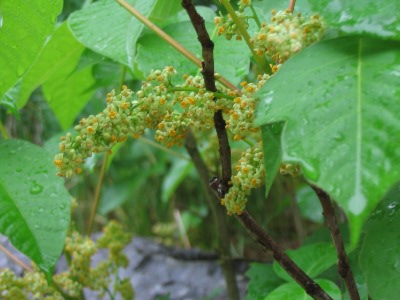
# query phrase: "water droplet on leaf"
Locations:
[[36, 188]]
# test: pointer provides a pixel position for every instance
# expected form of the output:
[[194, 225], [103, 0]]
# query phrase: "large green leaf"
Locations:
[[292, 291], [377, 18], [342, 119], [262, 281], [67, 94], [34, 204], [109, 29], [61, 54], [312, 259], [380, 254], [155, 53], [24, 27]]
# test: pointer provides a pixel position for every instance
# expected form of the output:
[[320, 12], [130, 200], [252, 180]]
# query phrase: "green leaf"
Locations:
[[107, 28], [154, 53], [262, 281], [271, 137], [164, 10], [292, 291], [371, 17], [380, 254], [312, 259], [309, 204], [342, 118], [24, 28], [34, 204], [176, 174], [61, 54], [67, 94]]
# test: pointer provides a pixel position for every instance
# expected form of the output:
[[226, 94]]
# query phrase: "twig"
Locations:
[[343, 263], [96, 199], [268, 244], [292, 3], [224, 149], [162, 34], [209, 82], [15, 259]]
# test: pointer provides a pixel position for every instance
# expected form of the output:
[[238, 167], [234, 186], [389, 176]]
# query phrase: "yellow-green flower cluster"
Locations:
[[240, 121], [228, 28], [115, 238], [123, 117], [250, 174], [79, 251], [11, 286], [286, 34]]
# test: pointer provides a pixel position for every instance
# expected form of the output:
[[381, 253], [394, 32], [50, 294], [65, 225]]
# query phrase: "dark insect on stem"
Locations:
[[216, 184]]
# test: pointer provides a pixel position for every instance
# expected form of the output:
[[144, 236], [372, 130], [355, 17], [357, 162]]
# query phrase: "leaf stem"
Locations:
[[261, 61], [343, 262], [162, 34]]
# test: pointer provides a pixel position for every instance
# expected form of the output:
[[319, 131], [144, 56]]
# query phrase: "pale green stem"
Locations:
[[255, 16], [261, 61]]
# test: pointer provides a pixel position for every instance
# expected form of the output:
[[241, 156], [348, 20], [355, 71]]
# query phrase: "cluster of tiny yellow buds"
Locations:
[[289, 169], [228, 28], [11, 286], [36, 284], [66, 283], [287, 34], [122, 118], [250, 174], [115, 238], [240, 121], [99, 133], [159, 105], [243, 4], [80, 250], [172, 129]]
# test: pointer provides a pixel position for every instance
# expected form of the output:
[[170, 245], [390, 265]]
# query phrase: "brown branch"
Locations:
[[268, 244], [207, 46], [222, 186], [343, 263], [209, 82], [219, 217]]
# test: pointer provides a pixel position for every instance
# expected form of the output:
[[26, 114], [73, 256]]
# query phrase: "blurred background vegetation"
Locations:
[[155, 191]]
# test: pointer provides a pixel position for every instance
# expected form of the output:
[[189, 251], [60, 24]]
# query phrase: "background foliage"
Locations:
[[339, 119]]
